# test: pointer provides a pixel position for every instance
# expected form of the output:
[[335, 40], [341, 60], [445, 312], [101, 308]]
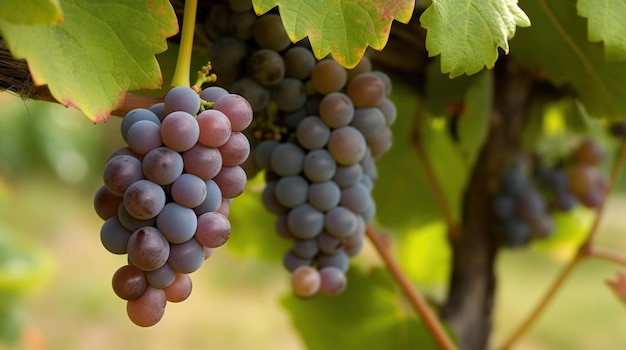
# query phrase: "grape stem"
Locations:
[[605, 254], [440, 197], [382, 245], [585, 250], [183, 62]]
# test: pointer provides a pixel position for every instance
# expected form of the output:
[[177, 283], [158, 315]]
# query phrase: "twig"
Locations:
[[435, 185], [584, 250], [431, 321], [606, 254]]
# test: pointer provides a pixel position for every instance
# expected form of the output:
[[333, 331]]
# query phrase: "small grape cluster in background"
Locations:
[[530, 191], [166, 196], [317, 133]]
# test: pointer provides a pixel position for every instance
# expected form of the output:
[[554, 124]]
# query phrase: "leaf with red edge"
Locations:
[[343, 28], [99, 51]]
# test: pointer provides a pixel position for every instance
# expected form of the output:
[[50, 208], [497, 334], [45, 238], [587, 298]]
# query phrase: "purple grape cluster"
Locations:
[[166, 195], [318, 131], [528, 195]]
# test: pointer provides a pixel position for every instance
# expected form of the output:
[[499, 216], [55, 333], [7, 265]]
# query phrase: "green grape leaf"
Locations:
[[468, 33], [367, 315], [31, 12], [606, 23], [556, 47], [425, 254], [343, 28], [101, 50]]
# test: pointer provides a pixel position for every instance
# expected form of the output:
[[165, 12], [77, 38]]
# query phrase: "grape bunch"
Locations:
[[525, 199], [166, 196], [318, 131]]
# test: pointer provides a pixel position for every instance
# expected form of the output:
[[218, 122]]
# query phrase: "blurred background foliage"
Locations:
[[55, 288]]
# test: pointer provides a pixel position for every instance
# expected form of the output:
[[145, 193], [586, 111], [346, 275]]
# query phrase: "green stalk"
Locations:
[[183, 62]]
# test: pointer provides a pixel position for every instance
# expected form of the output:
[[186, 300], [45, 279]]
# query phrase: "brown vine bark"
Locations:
[[469, 306]]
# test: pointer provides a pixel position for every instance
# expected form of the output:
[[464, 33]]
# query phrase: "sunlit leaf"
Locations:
[[344, 28], [31, 11], [468, 33], [606, 23], [100, 50]]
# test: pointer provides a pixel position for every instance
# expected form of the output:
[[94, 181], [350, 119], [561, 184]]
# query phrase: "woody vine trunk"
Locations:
[[470, 301]]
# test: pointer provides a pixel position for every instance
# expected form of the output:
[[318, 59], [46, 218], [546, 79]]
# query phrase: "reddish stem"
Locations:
[[382, 244]]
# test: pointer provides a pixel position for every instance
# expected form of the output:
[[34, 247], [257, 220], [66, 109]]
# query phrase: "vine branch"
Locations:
[[435, 185], [605, 254], [586, 249], [382, 245]]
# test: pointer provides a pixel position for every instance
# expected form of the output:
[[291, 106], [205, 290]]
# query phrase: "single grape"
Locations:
[[129, 282], [291, 191], [148, 309], [236, 150], [180, 289], [148, 249], [134, 116], [340, 222], [287, 159], [106, 203], [186, 257], [299, 62], [266, 67], [213, 230], [366, 90], [269, 200], [144, 136], [319, 165], [336, 109], [120, 172], [231, 180], [333, 281], [182, 98], [269, 33], [237, 109], [162, 165], [389, 110], [370, 122], [159, 110], [346, 145], [355, 198], [176, 223], [328, 76], [214, 127], [305, 222], [312, 133], [180, 131], [204, 162], [305, 281], [324, 195], [144, 199], [189, 190], [114, 236]]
